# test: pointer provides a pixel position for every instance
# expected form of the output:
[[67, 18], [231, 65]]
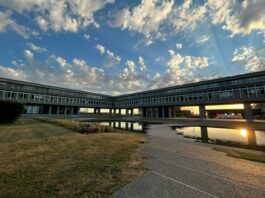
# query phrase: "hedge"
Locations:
[[10, 111], [78, 126]]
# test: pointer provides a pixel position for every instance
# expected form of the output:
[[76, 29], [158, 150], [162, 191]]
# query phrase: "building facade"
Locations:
[[42, 99]]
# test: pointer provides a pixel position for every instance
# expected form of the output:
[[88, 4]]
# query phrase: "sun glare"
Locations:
[[244, 132]]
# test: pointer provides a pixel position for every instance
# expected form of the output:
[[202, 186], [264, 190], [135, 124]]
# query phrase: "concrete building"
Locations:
[[42, 99]]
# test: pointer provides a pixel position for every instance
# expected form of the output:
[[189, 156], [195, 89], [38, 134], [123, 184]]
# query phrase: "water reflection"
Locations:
[[227, 136], [126, 126]]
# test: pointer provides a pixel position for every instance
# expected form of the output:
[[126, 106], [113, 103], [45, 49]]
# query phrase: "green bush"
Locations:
[[81, 127], [10, 111]]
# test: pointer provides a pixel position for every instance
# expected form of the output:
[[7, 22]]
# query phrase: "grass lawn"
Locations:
[[242, 155], [43, 160]]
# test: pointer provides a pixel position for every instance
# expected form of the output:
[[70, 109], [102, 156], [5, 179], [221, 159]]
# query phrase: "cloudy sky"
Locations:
[[115, 47]]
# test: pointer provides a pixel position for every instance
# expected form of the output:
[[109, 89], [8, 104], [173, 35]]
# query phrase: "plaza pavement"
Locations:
[[179, 167]]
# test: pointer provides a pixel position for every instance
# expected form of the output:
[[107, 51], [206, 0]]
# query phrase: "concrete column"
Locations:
[[58, 110], [252, 138], [202, 111], [204, 134], [144, 112], [173, 112], [72, 110], [157, 112], [131, 112], [95, 110], [126, 126], [65, 110], [248, 114], [131, 127], [127, 111], [50, 109], [163, 112], [169, 112], [119, 111], [151, 113]]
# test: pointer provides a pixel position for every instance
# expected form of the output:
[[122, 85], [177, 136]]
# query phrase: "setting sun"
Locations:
[[244, 132]]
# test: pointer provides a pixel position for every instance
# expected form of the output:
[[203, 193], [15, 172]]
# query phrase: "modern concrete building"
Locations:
[[42, 99]]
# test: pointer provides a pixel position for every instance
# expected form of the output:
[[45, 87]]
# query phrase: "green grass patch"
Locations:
[[242, 155], [45, 160]]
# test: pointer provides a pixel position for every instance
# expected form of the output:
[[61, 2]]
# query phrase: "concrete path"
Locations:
[[179, 167]]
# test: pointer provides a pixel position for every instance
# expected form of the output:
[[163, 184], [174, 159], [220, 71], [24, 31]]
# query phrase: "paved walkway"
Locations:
[[179, 167]]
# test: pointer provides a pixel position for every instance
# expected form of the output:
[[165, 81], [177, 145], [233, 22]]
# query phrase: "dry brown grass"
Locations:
[[43, 160]]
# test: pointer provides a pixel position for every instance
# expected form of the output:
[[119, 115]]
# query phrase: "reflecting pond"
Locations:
[[239, 137], [227, 136], [126, 126]]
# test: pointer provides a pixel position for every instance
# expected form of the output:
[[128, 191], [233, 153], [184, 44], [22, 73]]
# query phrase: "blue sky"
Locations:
[[118, 47]]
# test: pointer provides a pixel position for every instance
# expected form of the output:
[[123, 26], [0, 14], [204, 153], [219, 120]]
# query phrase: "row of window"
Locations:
[[196, 87], [20, 87], [242, 93], [28, 97]]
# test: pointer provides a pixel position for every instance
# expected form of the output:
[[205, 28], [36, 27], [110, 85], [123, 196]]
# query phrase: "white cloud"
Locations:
[[28, 55], [131, 66], [63, 15], [7, 23], [238, 17], [243, 53], [255, 64], [158, 19], [185, 17], [141, 63], [78, 74], [36, 48], [8, 72], [182, 69], [111, 58], [203, 39], [144, 18], [87, 36], [18, 63], [157, 76], [100, 48], [178, 45], [250, 58], [159, 59], [171, 52]]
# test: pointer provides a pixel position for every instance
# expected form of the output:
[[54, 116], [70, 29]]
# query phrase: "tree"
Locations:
[[10, 111]]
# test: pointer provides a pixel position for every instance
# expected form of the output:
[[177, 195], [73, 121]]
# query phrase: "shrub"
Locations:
[[81, 127], [10, 111]]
